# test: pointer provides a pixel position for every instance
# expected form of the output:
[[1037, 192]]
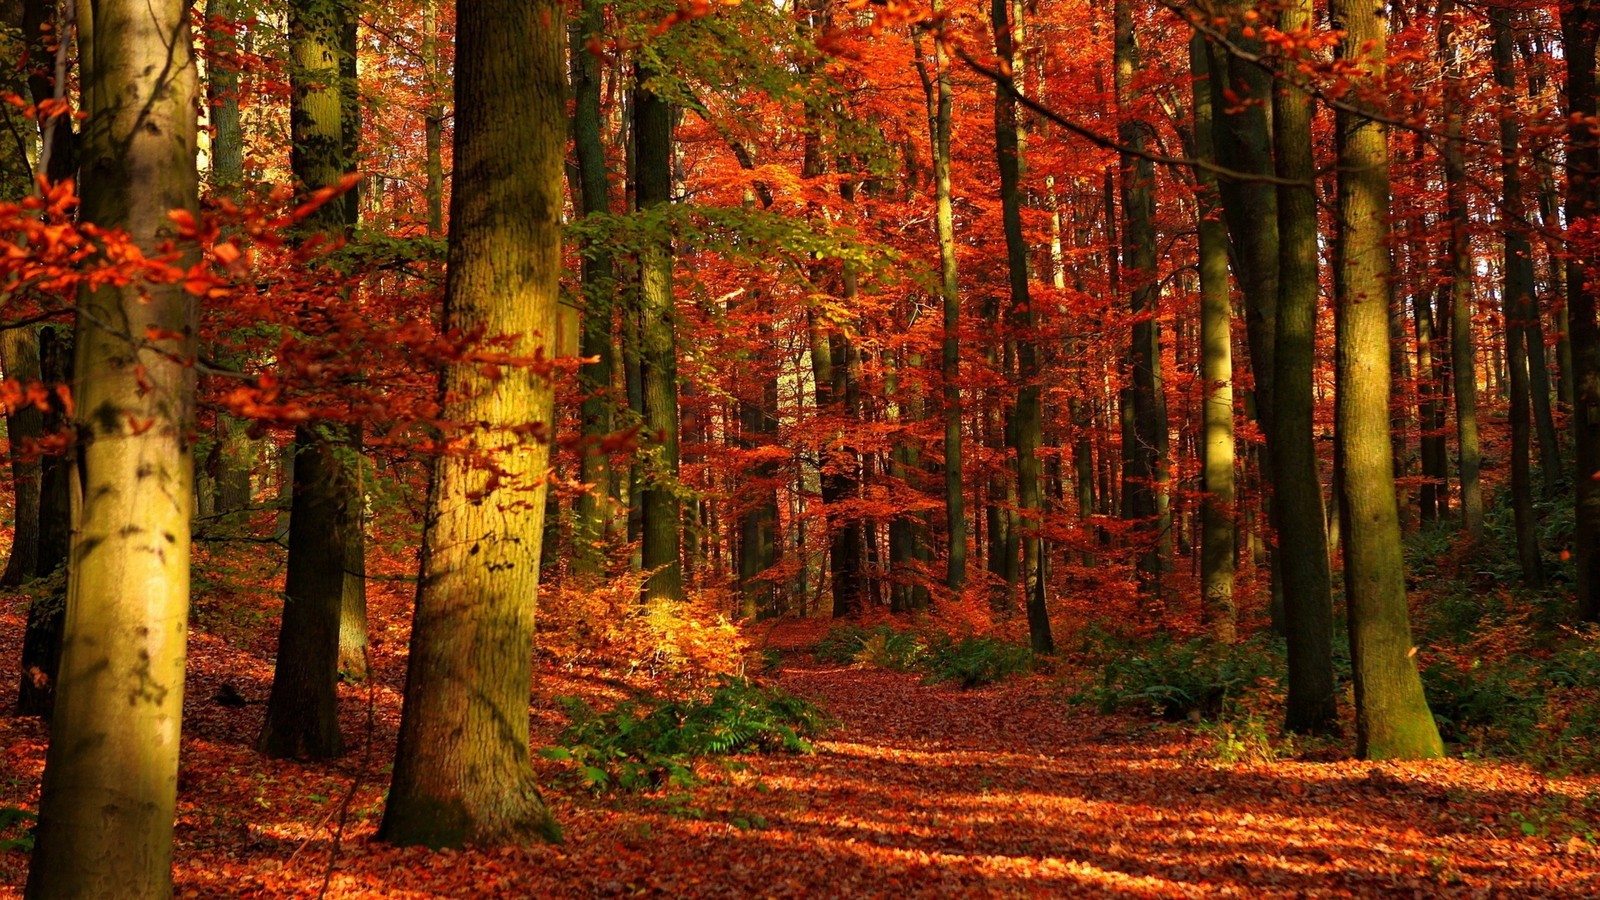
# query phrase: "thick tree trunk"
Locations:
[[110, 780], [1392, 717], [463, 771], [1580, 26]]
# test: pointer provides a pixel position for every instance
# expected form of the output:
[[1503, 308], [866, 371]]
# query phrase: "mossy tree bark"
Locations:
[[463, 771], [111, 773], [1392, 716]]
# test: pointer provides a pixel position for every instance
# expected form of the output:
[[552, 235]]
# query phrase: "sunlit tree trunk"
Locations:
[[940, 101], [111, 774], [463, 771], [1217, 535], [1392, 717], [661, 531]]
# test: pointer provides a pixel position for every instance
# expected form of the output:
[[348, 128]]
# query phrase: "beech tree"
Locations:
[[111, 775], [1392, 717], [463, 769]]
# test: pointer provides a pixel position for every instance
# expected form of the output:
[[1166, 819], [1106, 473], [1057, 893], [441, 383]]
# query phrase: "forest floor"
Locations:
[[918, 790]]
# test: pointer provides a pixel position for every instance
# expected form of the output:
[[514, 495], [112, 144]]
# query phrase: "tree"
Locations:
[[1580, 27], [111, 775], [463, 771], [661, 535], [1392, 717], [302, 712], [1291, 444], [1217, 534]]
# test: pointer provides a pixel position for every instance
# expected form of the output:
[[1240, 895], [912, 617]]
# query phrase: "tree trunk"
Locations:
[[1297, 491], [1144, 463], [1027, 416], [1217, 537], [661, 533], [1517, 308], [595, 512], [302, 712], [1392, 717], [1580, 26], [1463, 354], [110, 779], [463, 773]]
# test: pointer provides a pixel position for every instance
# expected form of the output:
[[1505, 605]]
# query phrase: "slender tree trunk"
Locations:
[[594, 513], [302, 712], [1392, 717], [433, 119], [463, 771], [110, 780], [1463, 353], [661, 531], [1027, 415], [1517, 309], [1143, 472], [1217, 537], [950, 347]]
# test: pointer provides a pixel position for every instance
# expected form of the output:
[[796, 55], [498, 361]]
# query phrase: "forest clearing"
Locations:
[[802, 448]]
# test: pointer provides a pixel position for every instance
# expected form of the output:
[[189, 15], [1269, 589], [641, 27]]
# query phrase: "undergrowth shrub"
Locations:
[[1184, 679], [970, 660], [654, 742], [975, 661], [882, 646]]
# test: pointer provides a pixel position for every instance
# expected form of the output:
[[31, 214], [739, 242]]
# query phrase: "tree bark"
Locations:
[[110, 779], [1217, 536], [1297, 491], [463, 772], [1392, 717], [661, 532], [1027, 415]]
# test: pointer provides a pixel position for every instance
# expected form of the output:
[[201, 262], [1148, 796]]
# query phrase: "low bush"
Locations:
[[653, 742], [1182, 680], [975, 661]]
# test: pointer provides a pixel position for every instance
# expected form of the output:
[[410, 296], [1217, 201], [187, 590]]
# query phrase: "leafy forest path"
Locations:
[[917, 790], [1008, 791]]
